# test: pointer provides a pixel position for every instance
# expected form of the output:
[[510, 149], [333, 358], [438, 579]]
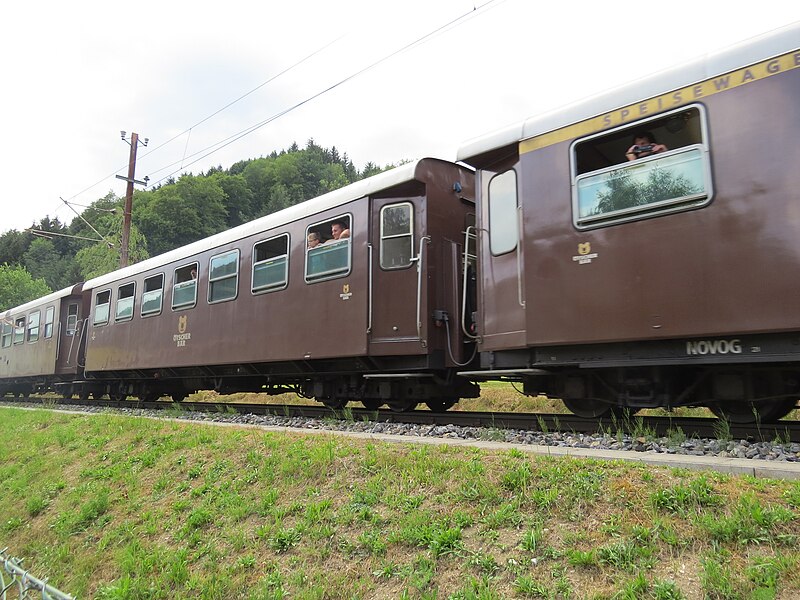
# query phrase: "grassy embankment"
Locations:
[[115, 507]]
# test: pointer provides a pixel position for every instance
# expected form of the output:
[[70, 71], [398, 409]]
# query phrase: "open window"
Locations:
[[8, 328], [397, 236], [184, 288], [102, 307], [49, 318], [223, 277], [271, 264], [609, 188], [19, 330], [125, 295], [328, 252], [34, 319], [153, 294]]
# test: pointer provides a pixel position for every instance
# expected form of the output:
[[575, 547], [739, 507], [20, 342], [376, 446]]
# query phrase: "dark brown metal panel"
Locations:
[[727, 268], [502, 314]]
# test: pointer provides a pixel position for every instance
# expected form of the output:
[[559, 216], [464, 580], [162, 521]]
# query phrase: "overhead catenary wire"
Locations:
[[209, 150]]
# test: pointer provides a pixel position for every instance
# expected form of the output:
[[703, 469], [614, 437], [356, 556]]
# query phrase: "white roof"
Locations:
[[38, 302], [749, 52], [354, 191]]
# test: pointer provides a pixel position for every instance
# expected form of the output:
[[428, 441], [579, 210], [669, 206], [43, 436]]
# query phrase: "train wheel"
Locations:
[[400, 406], [334, 403], [372, 404], [441, 404], [588, 408], [753, 412], [179, 396]]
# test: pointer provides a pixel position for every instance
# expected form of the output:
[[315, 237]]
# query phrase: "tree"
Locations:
[[18, 287], [179, 214], [43, 261], [13, 245], [100, 258]]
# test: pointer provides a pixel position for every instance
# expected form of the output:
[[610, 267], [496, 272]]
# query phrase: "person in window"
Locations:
[[339, 230], [194, 273], [314, 239], [644, 144]]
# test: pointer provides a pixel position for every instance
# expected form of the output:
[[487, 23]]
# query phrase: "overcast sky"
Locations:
[[75, 74]]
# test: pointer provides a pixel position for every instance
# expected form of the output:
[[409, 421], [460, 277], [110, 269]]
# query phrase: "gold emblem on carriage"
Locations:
[[346, 293], [182, 336], [585, 254]]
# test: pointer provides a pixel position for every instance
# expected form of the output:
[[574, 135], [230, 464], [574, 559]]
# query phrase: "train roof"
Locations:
[[754, 50], [354, 191], [69, 291]]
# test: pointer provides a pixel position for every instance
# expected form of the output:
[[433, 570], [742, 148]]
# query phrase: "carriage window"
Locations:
[[19, 330], [610, 186], [72, 319], [223, 277], [125, 295], [271, 264], [49, 317], [6, 336], [184, 290], [328, 249], [33, 325], [152, 295], [503, 217], [397, 236], [102, 308]]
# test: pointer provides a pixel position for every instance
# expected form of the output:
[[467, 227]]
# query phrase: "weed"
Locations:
[[532, 539], [682, 499], [284, 539]]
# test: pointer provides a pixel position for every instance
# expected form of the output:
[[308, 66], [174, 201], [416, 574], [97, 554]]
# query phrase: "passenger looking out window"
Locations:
[[644, 144], [330, 257]]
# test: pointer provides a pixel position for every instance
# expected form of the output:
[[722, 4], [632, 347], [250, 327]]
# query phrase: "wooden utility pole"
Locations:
[[126, 214]]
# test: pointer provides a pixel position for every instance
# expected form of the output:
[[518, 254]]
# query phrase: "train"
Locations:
[[563, 253]]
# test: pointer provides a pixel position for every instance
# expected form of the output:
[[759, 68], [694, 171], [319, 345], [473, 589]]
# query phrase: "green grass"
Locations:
[[124, 508]]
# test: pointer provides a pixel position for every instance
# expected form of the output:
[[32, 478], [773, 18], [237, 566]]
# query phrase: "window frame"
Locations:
[[235, 276], [492, 236], [7, 333], [132, 296], [145, 291], [70, 316], [49, 321], [97, 304], [253, 264], [331, 273], [175, 283], [411, 234], [30, 336], [654, 209], [19, 330]]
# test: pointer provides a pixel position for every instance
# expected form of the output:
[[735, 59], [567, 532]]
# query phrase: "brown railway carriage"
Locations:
[[373, 317], [667, 280], [41, 346]]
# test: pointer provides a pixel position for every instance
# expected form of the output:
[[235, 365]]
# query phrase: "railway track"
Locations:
[[642, 426]]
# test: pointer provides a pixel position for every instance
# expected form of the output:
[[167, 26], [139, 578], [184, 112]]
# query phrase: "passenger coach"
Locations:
[[667, 280], [374, 316], [41, 346]]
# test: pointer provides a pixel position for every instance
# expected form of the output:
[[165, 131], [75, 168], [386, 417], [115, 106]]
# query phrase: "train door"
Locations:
[[501, 275], [398, 259], [70, 338]]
